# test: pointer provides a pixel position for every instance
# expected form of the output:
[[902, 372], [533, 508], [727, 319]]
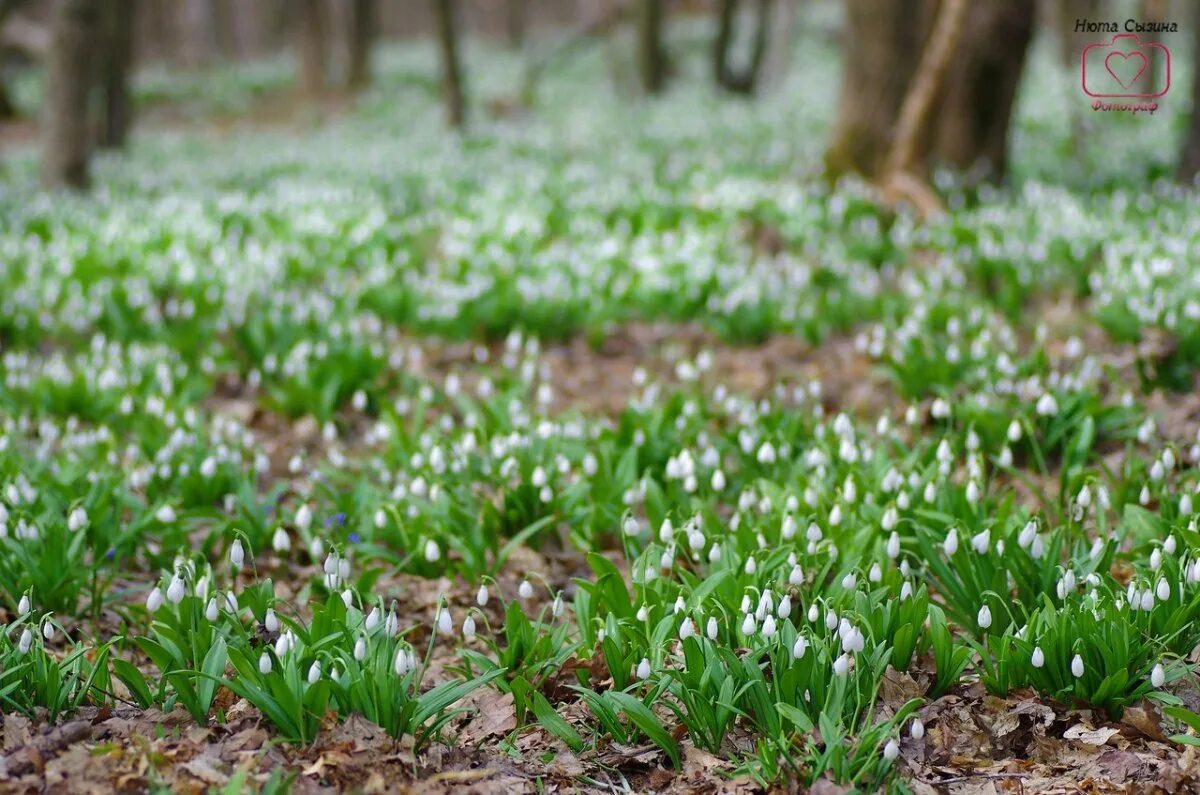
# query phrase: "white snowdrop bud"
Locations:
[[1144, 496], [972, 492], [841, 666], [940, 409], [48, 630], [280, 541], [1046, 406], [980, 541], [468, 628], [835, 516], [24, 606], [796, 576], [766, 453], [264, 664], [813, 613], [893, 546], [373, 619], [391, 624], [1147, 600], [748, 624], [849, 581], [930, 492], [360, 648], [785, 606], [26, 641], [380, 518], [1185, 505], [789, 527], [831, 620], [77, 520], [950, 545], [525, 589], [1027, 534], [271, 621], [444, 621], [165, 514], [237, 554], [1156, 560], [303, 519], [314, 672], [1158, 676], [1084, 497], [154, 599], [891, 751], [481, 596], [799, 647], [906, 590], [686, 629], [1014, 431], [1162, 590], [556, 607], [768, 627], [432, 552], [211, 611], [917, 729], [751, 567], [631, 527], [711, 629], [1037, 659], [1077, 666], [176, 590], [283, 644], [643, 669], [714, 554], [718, 480], [680, 605], [1170, 545], [985, 617]]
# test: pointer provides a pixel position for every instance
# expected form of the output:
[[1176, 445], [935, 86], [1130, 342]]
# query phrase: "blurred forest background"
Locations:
[[922, 81]]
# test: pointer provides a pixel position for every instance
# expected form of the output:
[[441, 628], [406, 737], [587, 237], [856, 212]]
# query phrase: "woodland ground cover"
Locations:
[[603, 448]]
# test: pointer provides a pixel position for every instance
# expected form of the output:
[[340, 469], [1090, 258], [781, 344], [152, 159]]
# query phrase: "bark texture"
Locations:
[[651, 53], [1189, 157], [75, 26], [117, 58], [453, 96], [311, 44], [743, 81], [363, 20]]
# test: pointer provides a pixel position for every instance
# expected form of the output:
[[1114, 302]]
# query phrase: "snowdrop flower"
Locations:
[[893, 546], [237, 554], [718, 480], [77, 520], [404, 662], [985, 617], [972, 492], [24, 606], [711, 629], [391, 624], [271, 621], [831, 620], [468, 628], [264, 664], [1077, 666], [360, 648], [165, 514], [303, 519], [373, 619], [1037, 659], [25, 642], [766, 453], [891, 751], [445, 622], [841, 666], [314, 672], [980, 541], [48, 630], [525, 589], [432, 552], [1162, 590], [631, 526], [1158, 676], [280, 541], [154, 599], [785, 606], [1014, 431], [481, 596], [768, 627], [686, 630], [1170, 545], [556, 607], [1046, 406], [950, 545], [176, 590], [643, 669], [748, 624], [940, 409], [917, 730], [799, 647], [283, 644], [211, 611], [751, 567]]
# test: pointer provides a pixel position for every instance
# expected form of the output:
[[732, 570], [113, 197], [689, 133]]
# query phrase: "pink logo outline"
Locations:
[[1138, 51]]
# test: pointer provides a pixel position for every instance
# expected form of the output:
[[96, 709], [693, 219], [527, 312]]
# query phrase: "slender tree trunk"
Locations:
[[971, 115], [363, 19], [224, 30], [881, 43], [779, 50], [514, 22], [311, 43], [7, 109], [75, 26], [1189, 157], [117, 59], [726, 76], [446, 18], [975, 108], [651, 54], [196, 29]]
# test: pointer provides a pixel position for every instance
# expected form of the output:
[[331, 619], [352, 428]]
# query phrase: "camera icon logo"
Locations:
[[1126, 67]]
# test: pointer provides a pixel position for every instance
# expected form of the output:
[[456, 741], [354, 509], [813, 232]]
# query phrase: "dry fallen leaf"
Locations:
[[1089, 736]]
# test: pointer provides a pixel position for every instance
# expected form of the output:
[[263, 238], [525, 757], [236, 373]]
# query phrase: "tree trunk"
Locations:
[[224, 29], [881, 43], [116, 60], [975, 110], [362, 29], [651, 55], [972, 112], [779, 49], [514, 22], [1189, 157], [726, 76], [7, 109], [311, 42], [75, 26], [196, 28], [446, 18]]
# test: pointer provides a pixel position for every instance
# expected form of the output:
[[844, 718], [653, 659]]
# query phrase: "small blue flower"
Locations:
[[355, 538]]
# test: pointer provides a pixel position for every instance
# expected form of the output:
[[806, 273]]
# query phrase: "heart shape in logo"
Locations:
[[1128, 61]]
